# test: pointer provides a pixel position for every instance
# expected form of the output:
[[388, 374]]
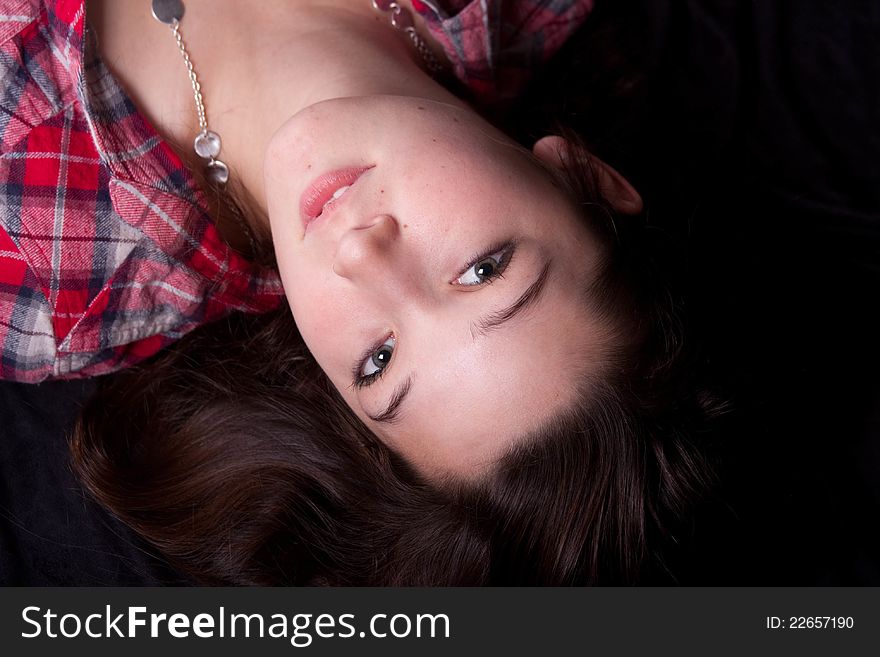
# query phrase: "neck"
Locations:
[[256, 69]]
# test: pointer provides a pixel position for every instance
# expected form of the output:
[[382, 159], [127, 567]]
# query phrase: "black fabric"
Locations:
[[753, 131], [51, 533]]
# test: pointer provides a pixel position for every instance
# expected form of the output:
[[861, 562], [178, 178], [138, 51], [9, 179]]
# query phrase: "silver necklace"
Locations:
[[207, 143], [402, 19]]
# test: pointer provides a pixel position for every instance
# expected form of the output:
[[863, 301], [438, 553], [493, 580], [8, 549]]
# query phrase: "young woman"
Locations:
[[436, 205], [758, 123], [477, 306]]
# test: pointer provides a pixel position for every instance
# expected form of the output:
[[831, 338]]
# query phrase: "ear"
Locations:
[[556, 152]]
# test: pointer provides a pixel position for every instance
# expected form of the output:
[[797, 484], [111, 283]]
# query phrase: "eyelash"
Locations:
[[507, 250]]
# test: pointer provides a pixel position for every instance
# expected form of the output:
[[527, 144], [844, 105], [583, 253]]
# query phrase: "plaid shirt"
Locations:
[[496, 45], [107, 249]]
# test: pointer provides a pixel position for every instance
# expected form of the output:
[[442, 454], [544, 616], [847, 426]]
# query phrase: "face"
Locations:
[[435, 272]]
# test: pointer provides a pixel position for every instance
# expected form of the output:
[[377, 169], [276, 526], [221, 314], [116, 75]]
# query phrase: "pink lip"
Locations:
[[322, 189]]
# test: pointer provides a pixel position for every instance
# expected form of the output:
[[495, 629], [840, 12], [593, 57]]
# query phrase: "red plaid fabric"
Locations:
[[496, 45], [107, 249]]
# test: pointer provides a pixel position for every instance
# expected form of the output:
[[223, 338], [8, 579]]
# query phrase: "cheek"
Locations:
[[319, 322], [318, 312]]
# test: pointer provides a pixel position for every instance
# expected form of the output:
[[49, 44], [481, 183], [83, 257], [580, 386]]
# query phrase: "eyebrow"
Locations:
[[482, 326]]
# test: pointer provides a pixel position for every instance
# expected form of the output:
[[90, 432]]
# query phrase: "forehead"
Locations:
[[472, 399]]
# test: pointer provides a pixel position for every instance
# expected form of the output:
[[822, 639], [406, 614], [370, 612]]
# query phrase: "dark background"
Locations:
[[752, 130], [51, 533]]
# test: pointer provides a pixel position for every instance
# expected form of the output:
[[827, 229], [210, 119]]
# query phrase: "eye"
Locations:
[[486, 267], [375, 362]]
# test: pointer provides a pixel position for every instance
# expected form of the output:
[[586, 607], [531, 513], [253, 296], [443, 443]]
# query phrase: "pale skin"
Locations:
[[382, 287]]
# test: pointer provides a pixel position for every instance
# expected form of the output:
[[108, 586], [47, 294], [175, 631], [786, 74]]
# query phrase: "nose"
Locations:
[[367, 250]]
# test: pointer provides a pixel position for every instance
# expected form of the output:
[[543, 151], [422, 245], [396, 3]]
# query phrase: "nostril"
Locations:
[[383, 226]]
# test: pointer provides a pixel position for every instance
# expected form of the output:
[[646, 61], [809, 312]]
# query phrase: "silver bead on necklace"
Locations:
[[207, 143]]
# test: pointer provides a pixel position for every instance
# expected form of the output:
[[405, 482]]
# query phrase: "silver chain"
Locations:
[[207, 143], [193, 78], [433, 64], [401, 18]]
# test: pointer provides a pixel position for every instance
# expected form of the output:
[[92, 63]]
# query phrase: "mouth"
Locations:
[[326, 193]]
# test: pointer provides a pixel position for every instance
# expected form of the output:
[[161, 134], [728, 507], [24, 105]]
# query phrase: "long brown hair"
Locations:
[[602, 492], [235, 457]]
